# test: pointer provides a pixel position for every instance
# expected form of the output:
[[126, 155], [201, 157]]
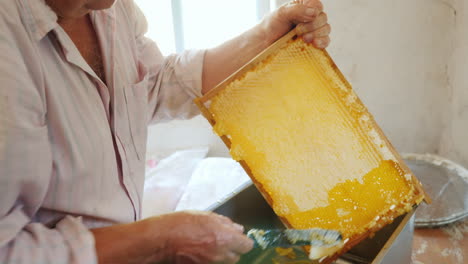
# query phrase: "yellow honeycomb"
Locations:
[[311, 146]]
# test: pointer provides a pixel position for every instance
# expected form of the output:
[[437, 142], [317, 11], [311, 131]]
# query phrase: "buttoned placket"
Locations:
[[107, 95], [107, 37]]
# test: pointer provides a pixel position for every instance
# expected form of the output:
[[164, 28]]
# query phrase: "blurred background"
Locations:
[[407, 60]]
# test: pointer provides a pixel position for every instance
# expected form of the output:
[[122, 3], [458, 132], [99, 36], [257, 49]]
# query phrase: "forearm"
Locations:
[[223, 60], [182, 237], [129, 243], [307, 15]]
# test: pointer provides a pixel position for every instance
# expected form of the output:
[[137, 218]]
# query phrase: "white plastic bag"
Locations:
[[166, 182], [212, 180]]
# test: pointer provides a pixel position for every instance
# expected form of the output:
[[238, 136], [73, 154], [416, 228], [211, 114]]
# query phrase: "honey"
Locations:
[[353, 206], [310, 145]]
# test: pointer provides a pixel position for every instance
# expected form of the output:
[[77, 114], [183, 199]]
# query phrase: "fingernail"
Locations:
[[310, 11], [239, 227], [321, 44], [308, 38]]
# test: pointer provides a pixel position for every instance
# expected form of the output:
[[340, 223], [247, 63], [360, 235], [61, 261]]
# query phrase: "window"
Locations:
[[176, 25]]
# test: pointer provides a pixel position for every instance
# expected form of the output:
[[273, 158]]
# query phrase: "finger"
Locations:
[[234, 227], [241, 244], [320, 21], [225, 221], [239, 228], [298, 12], [228, 222], [321, 32], [321, 42], [315, 4], [230, 258], [182, 258], [194, 212], [222, 218], [305, 28]]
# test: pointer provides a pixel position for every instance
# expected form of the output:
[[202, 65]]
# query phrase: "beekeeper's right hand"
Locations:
[[180, 238]]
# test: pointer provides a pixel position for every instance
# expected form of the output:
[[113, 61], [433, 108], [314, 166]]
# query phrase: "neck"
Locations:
[[68, 24], [68, 9]]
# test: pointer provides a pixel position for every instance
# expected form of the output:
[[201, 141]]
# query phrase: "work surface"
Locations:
[[441, 245]]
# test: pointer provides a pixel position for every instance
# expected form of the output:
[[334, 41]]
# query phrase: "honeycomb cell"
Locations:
[[311, 146]]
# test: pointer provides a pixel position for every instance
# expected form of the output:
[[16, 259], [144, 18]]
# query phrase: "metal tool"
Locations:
[[322, 242]]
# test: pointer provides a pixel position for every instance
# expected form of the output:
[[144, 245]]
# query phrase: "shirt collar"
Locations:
[[39, 18]]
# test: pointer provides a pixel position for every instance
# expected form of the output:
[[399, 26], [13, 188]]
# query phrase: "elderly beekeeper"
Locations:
[[80, 83]]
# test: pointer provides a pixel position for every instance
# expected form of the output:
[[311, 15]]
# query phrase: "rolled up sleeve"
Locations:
[[178, 83], [68, 243]]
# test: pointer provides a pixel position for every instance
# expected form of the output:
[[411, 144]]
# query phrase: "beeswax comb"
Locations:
[[309, 144]]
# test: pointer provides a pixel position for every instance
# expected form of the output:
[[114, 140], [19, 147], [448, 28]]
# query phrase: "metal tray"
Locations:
[[246, 206], [446, 182]]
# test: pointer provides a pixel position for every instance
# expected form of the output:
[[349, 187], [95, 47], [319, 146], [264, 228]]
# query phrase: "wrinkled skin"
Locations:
[[306, 15], [309, 18], [198, 237]]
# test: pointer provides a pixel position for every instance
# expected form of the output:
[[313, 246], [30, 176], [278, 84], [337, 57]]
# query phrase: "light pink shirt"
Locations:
[[72, 148]]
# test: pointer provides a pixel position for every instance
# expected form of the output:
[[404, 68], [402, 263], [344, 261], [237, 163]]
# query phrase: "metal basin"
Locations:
[[390, 245]]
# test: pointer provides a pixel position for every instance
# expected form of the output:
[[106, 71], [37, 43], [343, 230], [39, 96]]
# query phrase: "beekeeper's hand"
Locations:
[[199, 238], [308, 17], [180, 238]]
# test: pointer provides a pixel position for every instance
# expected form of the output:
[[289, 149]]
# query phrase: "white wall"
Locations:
[[396, 55], [455, 141], [406, 60]]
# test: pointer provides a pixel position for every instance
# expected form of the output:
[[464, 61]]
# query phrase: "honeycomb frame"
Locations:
[[204, 101]]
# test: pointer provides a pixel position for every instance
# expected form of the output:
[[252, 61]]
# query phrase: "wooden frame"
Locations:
[[200, 102]]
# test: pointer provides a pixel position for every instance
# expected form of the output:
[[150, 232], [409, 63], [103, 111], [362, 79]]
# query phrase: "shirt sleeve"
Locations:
[[174, 81], [25, 171]]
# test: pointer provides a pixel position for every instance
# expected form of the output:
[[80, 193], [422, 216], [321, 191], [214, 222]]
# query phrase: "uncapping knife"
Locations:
[[323, 242]]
